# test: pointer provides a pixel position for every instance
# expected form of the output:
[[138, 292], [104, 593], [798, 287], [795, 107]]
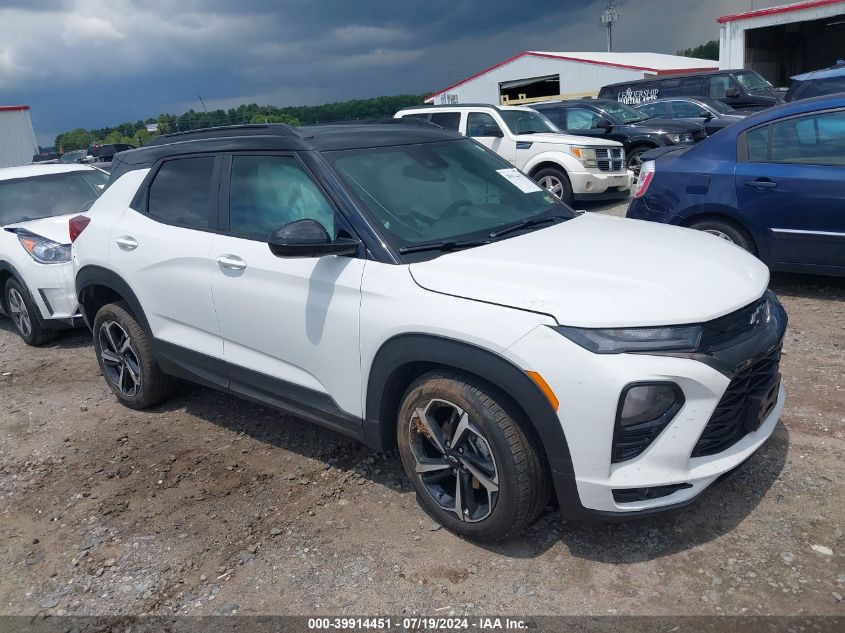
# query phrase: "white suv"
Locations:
[[571, 167], [36, 276], [404, 285]]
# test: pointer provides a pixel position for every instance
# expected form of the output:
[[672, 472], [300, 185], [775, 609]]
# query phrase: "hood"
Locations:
[[54, 228], [566, 139], [604, 271], [667, 125]]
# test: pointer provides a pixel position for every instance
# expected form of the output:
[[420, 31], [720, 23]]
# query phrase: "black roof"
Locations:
[[588, 101], [277, 136], [700, 73]]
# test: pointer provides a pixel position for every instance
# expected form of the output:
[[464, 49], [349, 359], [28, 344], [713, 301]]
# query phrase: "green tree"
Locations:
[[274, 118], [75, 139], [710, 50]]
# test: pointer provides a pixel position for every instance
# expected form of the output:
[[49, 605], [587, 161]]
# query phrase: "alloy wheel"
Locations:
[[720, 235], [120, 361], [553, 185], [19, 313], [453, 460], [635, 164]]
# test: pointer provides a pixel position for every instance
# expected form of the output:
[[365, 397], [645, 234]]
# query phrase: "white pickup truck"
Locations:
[[571, 167]]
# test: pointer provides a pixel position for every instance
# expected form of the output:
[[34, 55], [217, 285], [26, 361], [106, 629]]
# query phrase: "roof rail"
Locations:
[[424, 106], [248, 129]]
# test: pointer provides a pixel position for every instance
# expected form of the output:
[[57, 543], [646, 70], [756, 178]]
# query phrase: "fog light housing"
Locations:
[[644, 410]]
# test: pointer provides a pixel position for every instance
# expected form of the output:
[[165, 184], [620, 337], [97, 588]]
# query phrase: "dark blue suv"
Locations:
[[773, 184]]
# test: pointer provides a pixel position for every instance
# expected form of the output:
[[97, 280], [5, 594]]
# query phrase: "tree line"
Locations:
[[135, 133]]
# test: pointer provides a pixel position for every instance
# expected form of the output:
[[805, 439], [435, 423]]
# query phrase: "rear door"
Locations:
[[160, 247], [791, 180], [289, 324]]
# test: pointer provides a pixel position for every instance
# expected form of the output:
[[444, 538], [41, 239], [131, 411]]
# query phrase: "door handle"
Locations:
[[127, 243], [231, 262], [761, 184]]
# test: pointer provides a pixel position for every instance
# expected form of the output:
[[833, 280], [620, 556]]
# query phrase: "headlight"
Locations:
[[680, 138], [644, 339], [586, 155], [42, 250]]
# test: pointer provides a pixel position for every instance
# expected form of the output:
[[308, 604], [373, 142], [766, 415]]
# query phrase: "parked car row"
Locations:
[[408, 286]]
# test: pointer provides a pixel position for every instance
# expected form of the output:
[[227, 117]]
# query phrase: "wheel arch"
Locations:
[[719, 215], [7, 271], [97, 286], [405, 357]]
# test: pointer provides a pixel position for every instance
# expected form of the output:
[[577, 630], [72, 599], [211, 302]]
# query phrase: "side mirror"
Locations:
[[706, 115], [308, 238], [732, 93], [491, 130]]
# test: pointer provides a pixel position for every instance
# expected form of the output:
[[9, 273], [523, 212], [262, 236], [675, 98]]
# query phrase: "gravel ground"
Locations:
[[211, 505]]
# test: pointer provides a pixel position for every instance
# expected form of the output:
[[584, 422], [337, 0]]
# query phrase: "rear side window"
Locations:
[[268, 192], [691, 86], [448, 120], [757, 145], [181, 192]]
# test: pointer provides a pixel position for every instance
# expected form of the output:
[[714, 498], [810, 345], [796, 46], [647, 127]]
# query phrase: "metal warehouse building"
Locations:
[[17, 138], [537, 76], [783, 41]]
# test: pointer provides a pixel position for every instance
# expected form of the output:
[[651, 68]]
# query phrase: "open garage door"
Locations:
[[530, 88], [779, 52]]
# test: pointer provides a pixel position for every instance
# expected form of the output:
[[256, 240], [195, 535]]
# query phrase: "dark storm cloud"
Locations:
[[93, 63]]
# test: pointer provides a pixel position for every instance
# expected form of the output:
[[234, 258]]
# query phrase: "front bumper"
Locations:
[[592, 184], [588, 387], [53, 290]]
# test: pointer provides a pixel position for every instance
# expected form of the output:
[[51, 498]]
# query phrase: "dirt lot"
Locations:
[[212, 505]]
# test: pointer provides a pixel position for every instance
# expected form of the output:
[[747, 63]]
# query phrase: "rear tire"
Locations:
[[126, 359], [727, 231], [474, 468], [24, 314], [556, 182]]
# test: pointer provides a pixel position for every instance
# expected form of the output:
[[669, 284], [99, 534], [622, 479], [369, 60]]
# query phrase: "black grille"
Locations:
[[731, 328], [749, 398], [609, 158]]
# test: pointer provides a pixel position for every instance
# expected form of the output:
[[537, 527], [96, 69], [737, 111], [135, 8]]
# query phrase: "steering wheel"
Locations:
[[453, 208]]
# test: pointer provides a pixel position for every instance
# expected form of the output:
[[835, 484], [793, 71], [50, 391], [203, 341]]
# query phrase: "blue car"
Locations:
[[773, 184]]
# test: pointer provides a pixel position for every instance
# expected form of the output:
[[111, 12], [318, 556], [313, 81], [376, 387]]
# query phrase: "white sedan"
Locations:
[[36, 275]]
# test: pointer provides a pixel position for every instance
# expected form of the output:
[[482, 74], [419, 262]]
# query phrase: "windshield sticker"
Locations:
[[523, 183], [633, 97]]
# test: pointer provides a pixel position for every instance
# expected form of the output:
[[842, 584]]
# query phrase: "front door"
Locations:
[[289, 325], [793, 183], [486, 130]]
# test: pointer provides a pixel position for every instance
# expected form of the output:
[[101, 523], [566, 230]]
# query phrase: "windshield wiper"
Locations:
[[442, 245], [524, 224]]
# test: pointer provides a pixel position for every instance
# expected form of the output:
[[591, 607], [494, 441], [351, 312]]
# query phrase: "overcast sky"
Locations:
[[93, 63]]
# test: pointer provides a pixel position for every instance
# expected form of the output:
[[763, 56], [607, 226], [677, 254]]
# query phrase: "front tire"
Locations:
[[24, 314], [556, 182], [474, 468], [126, 359], [634, 160]]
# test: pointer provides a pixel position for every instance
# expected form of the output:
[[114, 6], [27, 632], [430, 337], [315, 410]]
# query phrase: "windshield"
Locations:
[[753, 82], [622, 112], [718, 106], [23, 199], [448, 190], [527, 122]]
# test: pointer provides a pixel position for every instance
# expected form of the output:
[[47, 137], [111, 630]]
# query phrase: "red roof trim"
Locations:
[[6, 108], [786, 8], [569, 59]]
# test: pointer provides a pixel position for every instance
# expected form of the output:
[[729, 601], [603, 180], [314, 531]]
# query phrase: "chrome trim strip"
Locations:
[[800, 232]]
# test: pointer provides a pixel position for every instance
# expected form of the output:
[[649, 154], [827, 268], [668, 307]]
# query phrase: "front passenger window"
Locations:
[[480, 124], [267, 192]]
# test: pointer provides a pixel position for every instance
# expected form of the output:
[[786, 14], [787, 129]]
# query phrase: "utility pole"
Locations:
[[608, 17]]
